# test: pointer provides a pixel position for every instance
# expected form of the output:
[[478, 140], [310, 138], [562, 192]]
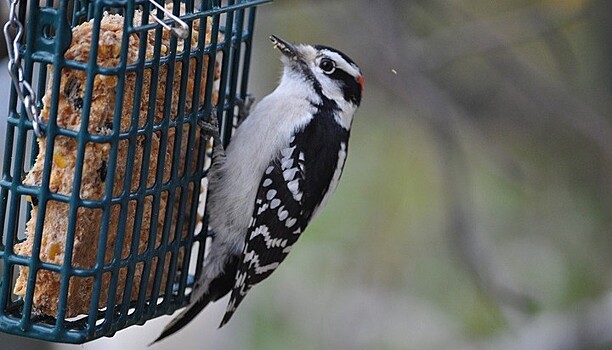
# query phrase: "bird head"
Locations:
[[331, 72]]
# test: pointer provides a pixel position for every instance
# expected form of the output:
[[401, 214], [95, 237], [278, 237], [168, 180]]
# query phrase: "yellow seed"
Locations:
[[60, 160], [116, 50], [54, 250]]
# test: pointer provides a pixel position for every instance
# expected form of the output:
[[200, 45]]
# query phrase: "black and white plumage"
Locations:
[[280, 168]]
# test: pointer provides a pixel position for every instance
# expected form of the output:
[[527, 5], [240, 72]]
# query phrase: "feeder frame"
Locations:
[[48, 34]]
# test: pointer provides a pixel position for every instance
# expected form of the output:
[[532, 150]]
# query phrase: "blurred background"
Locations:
[[475, 209]]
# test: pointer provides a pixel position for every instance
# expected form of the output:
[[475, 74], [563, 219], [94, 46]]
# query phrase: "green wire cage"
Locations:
[[104, 170]]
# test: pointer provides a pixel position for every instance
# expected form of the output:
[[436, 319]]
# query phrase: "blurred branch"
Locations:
[[395, 50], [481, 36], [550, 97], [449, 121], [555, 99], [401, 62], [405, 63], [474, 247]]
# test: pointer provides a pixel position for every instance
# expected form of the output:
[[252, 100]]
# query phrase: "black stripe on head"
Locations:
[[325, 102], [345, 57], [351, 88]]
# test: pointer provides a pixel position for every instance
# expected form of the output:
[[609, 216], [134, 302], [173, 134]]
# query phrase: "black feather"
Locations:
[[218, 288], [313, 157], [223, 284], [189, 315]]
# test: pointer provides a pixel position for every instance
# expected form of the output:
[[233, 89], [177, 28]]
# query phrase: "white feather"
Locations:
[[234, 183], [263, 136]]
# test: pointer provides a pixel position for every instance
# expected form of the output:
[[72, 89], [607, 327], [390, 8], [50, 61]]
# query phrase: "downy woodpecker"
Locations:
[[280, 168]]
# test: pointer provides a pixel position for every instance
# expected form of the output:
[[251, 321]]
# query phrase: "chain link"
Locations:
[[13, 31]]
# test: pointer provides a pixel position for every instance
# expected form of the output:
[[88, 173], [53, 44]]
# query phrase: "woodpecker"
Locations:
[[280, 168]]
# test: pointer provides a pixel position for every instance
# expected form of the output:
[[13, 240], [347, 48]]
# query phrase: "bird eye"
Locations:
[[327, 65]]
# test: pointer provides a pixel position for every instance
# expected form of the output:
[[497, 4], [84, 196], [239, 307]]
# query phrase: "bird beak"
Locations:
[[284, 47]]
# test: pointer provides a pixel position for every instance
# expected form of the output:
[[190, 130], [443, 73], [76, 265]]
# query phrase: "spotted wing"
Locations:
[[292, 189], [277, 222]]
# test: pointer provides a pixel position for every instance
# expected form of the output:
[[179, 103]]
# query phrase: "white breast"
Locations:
[[255, 143]]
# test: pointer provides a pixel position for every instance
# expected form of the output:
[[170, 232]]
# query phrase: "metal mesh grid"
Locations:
[[171, 253]]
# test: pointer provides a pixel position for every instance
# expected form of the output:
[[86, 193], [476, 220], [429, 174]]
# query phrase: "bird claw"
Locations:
[[244, 106], [211, 127]]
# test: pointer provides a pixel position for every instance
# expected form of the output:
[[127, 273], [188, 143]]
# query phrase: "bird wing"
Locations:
[[285, 202], [278, 220]]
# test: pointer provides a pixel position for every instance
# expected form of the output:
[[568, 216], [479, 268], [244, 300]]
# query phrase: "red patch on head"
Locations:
[[361, 81]]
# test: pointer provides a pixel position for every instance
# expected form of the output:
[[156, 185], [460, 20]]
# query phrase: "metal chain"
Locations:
[[13, 31]]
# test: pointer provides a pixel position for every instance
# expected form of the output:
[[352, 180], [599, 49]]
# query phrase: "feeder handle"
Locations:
[[13, 31]]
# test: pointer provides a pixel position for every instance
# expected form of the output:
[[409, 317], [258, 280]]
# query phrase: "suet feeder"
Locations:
[[102, 213]]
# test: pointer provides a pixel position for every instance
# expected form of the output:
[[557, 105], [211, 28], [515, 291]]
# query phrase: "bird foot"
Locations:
[[244, 106], [211, 127]]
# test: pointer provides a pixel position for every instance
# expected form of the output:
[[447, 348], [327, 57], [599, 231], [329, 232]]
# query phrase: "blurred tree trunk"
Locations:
[[601, 12]]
